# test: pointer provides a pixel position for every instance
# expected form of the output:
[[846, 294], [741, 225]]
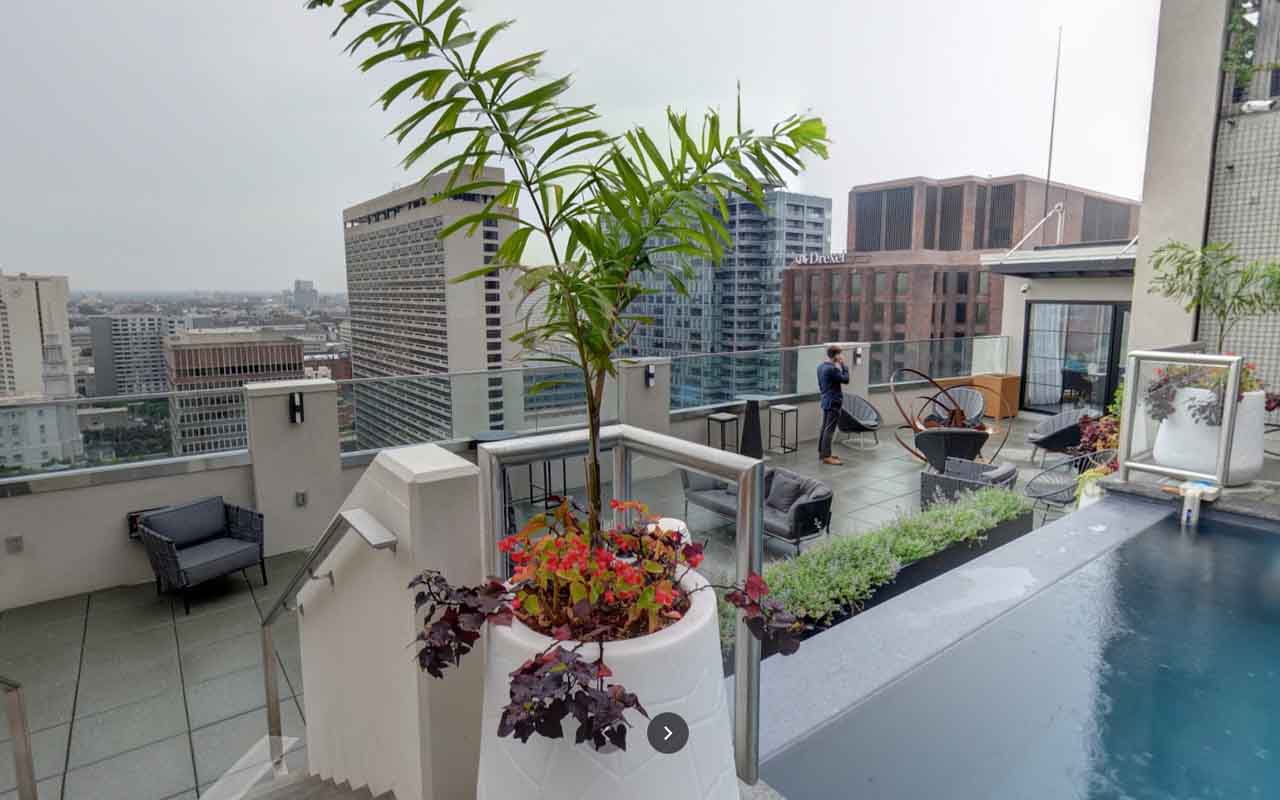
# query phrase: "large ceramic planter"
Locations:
[[676, 669], [1184, 443]]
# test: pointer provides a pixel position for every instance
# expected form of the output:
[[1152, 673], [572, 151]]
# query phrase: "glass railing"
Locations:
[[45, 435], [702, 380], [707, 379], [939, 358], [388, 412]]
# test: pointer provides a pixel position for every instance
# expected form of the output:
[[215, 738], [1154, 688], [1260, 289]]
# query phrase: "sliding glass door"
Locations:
[[1072, 355]]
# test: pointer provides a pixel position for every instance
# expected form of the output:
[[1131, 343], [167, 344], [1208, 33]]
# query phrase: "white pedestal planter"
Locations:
[[677, 669], [1184, 443]]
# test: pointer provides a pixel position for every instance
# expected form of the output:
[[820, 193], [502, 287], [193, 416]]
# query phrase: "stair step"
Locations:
[[301, 786]]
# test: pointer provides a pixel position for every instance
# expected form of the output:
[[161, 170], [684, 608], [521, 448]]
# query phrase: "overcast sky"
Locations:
[[176, 144]]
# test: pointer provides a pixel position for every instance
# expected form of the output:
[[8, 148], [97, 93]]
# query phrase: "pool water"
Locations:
[[1151, 672]]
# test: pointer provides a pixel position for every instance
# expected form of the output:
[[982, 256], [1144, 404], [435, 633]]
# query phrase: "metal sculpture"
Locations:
[[941, 410]]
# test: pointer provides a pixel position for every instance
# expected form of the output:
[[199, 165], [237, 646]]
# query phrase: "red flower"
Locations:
[[693, 554], [665, 597]]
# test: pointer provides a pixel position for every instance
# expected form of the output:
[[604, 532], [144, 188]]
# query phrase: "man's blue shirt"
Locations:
[[831, 380]]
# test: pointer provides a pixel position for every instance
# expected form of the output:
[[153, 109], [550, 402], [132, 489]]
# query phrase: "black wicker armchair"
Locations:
[[198, 541], [962, 476], [858, 416], [1056, 434], [1054, 489]]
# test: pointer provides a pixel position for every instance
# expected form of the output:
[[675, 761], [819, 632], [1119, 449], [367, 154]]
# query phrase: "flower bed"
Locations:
[[833, 582]]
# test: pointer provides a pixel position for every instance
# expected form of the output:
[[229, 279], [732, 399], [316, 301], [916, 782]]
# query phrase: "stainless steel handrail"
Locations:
[[1180, 354], [23, 762], [377, 536], [625, 442]]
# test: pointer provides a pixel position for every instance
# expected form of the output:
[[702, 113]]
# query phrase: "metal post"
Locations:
[[746, 657], [621, 481], [1128, 416], [24, 765], [1230, 402], [275, 732]]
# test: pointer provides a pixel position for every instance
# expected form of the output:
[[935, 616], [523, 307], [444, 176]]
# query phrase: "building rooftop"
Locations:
[[206, 336]]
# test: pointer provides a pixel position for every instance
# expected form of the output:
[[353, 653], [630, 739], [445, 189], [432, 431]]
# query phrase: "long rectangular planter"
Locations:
[[926, 569]]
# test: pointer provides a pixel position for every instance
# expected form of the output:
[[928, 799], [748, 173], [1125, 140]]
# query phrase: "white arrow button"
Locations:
[[670, 733]]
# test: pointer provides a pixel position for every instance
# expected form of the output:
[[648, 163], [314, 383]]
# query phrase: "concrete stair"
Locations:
[[301, 786]]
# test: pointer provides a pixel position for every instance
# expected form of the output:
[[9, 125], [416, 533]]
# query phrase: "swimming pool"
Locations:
[[1153, 671]]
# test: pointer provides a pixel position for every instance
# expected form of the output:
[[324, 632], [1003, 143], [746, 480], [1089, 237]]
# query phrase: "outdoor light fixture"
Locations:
[[650, 375], [296, 415]]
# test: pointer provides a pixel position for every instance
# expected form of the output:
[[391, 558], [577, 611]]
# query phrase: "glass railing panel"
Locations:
[[708, 379]]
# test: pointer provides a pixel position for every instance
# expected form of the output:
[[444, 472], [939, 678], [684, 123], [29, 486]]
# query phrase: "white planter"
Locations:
[[1183, 443], [677, 669]]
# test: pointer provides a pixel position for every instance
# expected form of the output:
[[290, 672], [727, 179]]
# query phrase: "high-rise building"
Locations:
[[128, 352], [734, 305], [912, 269], [199, 361], [36, 357], [305, 297], [408, 317]]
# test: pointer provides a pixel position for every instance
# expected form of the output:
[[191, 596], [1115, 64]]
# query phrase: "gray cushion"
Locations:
[[190, 524], [719, 500], [999, 474], [778, 523], [786, 489], [215, 558]]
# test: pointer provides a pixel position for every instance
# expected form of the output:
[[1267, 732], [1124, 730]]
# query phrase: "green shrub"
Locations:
[[842, 573]]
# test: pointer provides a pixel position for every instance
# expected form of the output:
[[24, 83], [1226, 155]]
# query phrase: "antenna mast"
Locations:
[[1053, 123]]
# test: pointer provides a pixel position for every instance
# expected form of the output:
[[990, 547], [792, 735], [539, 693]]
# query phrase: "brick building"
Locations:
[[208, 421], [912, 268]]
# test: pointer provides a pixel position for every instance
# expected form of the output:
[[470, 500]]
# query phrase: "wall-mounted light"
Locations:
[[296, 413], [857, 356], [650, 376]]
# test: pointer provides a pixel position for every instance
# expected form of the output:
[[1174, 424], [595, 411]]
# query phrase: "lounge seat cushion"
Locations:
[[1000, 474], [720, 501], [217, 557], [190, 524], [786, 489]]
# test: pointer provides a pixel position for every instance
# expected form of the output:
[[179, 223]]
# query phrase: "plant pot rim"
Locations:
[[702, 608]]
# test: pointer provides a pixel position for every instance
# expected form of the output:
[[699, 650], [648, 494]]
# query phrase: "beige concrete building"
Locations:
[[36, 357], [409, 317], [128, 352]]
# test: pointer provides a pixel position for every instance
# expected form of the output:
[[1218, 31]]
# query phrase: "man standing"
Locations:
[[832, 376]]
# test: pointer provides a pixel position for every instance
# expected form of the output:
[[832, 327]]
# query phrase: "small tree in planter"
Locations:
[[605, 207], [1188, 401]]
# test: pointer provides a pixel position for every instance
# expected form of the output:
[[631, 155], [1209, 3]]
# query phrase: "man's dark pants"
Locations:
[[830, 417]]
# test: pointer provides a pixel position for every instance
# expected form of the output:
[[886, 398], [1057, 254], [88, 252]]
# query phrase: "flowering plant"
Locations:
[[1162, 391], [575, 587]]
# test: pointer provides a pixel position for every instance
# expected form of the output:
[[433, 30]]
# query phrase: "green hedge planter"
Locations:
[[835, 581]]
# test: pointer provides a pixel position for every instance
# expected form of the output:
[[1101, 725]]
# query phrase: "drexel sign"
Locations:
[[818, 258]]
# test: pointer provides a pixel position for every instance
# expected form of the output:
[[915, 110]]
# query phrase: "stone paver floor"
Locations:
[[128, 698]]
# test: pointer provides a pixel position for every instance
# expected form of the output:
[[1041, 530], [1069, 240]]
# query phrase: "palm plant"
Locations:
[[608, 208], [1215, 281]]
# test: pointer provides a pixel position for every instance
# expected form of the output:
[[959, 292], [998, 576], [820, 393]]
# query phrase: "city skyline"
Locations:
[[151, 211]]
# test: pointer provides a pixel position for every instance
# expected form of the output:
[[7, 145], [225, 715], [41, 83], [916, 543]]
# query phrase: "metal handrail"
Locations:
[[377, 536], [20, 732], [626, 441], [1179, 354]]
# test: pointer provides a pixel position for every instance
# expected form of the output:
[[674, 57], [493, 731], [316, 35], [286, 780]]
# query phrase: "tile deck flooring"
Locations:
[[130, 699]]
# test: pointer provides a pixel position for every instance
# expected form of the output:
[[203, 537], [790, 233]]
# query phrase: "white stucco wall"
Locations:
[[1013, 320]]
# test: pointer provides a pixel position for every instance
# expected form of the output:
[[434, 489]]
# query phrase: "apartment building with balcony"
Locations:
[[409, 317], [734, 305], [206, 370], [128, 352], [912, 269]]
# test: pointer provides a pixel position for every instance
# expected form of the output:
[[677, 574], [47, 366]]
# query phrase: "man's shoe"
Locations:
[[833, 461]]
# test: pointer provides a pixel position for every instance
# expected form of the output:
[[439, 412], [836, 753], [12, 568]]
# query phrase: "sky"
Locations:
[[162, 145]]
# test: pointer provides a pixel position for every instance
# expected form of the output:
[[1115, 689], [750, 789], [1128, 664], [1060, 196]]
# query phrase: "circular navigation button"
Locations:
[[668, 733]]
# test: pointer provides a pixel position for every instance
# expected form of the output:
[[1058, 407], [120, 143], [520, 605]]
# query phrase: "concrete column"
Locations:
[[1175, 192], [296, 472], [647, 407], [373, 718]]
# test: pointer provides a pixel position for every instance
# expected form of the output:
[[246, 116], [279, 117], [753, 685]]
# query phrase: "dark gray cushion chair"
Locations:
[[962, 475], [1057, 434], [859, 416], [966, 398], [796, 507], [201, 540]]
